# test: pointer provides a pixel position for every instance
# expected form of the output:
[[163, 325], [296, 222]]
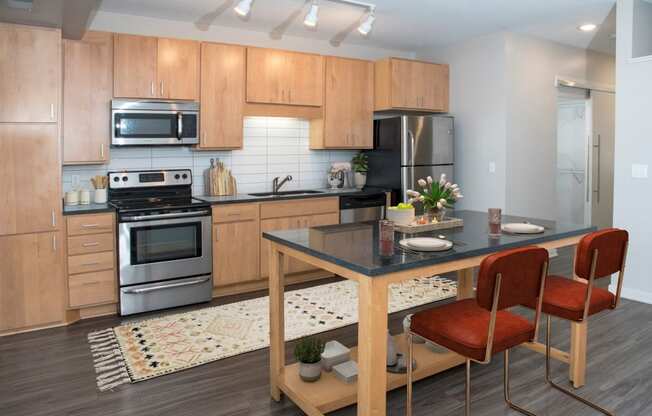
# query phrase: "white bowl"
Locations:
[[400, 216], [522, 228]]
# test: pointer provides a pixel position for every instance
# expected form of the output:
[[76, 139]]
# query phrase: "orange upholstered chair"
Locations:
[[481, 327], [599, 255]]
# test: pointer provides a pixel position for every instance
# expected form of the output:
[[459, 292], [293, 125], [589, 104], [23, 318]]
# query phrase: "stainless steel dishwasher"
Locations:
[[358, 208]]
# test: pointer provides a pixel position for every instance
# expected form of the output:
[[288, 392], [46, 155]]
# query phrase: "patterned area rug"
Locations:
[[138, 351]]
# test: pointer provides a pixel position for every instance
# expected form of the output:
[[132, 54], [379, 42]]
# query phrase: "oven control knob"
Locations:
[[177, 176], [116, 179], [185, 176], [125, 179]]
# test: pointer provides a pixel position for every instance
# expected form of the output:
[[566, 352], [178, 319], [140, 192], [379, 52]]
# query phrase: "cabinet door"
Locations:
[[87, 93], [405, 83], [134, 66], [306, 79], [30, 178], [222, 96], [31, 280], [349, 104], [434, 87], [236, 252], [30, 67], [178, 69]]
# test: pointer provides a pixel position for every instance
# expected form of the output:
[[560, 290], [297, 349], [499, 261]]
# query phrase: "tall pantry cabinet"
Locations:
[[31, 243]]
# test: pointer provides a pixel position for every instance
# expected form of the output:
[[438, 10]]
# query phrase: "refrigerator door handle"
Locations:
[[410, 150]]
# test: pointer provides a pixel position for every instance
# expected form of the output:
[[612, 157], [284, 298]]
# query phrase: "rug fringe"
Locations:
[[109, 363]]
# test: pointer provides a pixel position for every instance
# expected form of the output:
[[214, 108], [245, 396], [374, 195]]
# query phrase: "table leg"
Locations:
[[372, 347], [577, 372], [465, 284], [276, 320]]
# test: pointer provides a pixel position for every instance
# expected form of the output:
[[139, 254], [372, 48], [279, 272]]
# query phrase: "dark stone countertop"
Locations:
[[355, 246], [242, 198], [87, 209]]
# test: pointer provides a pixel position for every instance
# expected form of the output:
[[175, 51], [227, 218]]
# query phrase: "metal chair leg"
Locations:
[[507, 389], [560, 388], [467, 401], [408, 362]]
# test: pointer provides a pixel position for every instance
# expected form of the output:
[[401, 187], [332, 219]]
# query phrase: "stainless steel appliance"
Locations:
[[164, 240], [358, 208], [138, 122], [407, 148]]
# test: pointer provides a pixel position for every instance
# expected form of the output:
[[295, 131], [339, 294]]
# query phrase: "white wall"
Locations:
[[478, 102], [632, 196], [505, 106], [139, 25], [642, 30]]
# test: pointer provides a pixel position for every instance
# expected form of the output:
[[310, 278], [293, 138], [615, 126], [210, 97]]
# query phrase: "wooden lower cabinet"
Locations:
[[31, 280], [92, 288]]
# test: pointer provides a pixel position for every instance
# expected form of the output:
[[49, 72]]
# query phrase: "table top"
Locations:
[[355, 246]]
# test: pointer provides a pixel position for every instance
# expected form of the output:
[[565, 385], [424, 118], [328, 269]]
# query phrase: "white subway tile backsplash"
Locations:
[[272, 146]]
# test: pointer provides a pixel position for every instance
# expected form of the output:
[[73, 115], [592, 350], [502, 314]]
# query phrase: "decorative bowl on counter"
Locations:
[[402, 214]]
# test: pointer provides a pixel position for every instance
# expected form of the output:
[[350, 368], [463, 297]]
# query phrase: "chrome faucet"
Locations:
[[276, 185]]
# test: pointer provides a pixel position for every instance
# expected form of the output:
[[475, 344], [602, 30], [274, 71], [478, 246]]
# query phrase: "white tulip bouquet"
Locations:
[[436, 195]]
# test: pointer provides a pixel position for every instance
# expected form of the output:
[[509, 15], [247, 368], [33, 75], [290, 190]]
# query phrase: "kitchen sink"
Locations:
[[287, 193]]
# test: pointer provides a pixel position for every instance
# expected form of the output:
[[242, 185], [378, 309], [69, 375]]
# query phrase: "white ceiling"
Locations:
[[409, 25]]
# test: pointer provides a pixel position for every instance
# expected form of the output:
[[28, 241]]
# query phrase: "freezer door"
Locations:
[[410, 176], [427, 140]]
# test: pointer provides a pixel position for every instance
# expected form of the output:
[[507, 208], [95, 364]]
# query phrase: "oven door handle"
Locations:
[[179, 125], [167, 286], [167, 216]]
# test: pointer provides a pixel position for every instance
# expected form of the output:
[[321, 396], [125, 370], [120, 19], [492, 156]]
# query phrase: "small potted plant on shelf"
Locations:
[[436, 197], [308, 352], [360, 167]]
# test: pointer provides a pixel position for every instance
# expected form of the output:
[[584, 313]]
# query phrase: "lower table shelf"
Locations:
[[329, 393]]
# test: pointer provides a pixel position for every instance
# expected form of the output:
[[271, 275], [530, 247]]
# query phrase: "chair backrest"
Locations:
[[521, 270], [611, 244]]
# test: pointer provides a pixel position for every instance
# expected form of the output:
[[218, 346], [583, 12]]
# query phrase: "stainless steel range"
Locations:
[[164, 240]]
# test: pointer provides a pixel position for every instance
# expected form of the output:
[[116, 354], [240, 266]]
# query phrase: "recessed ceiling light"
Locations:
[[243, 8], [312, 15], [587, 27]]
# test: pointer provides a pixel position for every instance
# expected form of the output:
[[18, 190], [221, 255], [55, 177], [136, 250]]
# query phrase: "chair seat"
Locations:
[[564, 298], [463, 327]]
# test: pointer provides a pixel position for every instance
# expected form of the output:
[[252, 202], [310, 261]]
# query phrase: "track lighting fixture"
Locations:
[[365, 28], [243, 8], [312, 15]]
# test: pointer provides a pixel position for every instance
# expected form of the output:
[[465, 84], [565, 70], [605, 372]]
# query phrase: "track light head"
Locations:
[[366, 27], [243, 7], [312, 15]]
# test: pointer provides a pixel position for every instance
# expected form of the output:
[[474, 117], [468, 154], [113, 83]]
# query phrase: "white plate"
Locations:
[[426, 244], [522, 228]]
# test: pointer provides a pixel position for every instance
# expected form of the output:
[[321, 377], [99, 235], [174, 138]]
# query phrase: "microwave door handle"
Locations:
[[179, 125]]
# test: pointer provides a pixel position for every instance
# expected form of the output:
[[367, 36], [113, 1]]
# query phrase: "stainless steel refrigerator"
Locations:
[[407, 148]]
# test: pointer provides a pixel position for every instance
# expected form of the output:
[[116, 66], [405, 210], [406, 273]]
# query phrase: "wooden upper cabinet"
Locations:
[[87, 93], [30, 178], [178, 69], [134, 66], [31, 280], [30, 68], [222, 96], [348, 106], [411, 85], [283, 77]]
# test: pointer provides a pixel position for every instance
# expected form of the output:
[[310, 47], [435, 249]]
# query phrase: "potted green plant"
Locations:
[[308, 353], [360, 169], [436, 197]]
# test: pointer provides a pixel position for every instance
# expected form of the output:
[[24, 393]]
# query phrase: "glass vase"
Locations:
[[436, 214]]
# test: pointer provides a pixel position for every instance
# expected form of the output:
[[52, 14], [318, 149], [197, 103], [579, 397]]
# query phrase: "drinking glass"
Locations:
[[385, 238], [495, 217]]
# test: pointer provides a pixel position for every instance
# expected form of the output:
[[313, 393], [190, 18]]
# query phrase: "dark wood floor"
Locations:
[[50, 372]]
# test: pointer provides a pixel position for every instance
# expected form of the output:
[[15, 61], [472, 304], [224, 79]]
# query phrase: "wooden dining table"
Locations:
[[352, 252]]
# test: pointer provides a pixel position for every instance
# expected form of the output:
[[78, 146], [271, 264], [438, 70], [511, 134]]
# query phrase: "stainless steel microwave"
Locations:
[[142, 123]]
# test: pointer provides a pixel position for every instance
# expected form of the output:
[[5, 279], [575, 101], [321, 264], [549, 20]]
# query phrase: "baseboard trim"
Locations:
[[633, 294]]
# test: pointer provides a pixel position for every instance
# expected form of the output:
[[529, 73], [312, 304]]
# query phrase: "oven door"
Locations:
[[158, 250], [141, 127]]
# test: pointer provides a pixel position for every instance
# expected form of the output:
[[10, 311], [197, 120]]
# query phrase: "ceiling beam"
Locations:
[[76, 17]]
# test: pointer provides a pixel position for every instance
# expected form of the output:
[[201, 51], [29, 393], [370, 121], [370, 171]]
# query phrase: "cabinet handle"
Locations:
[[54, 219], [90, 225], [217, 237], [151, 87], [94, 263], [93, 244], [54, 242], [102, 151], [51, 111], [162, 89]]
